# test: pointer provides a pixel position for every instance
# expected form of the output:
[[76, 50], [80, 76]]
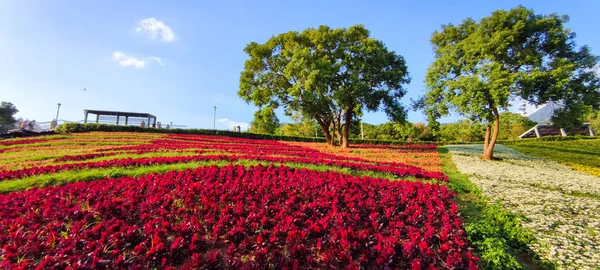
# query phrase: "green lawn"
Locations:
[[582, 155]]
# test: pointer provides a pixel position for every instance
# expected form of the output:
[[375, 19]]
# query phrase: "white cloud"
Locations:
[[230, 124], [130, 61], [157, 59], [155, 28]]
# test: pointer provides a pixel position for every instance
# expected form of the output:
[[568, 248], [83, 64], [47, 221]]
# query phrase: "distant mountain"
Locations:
[[543, 115]]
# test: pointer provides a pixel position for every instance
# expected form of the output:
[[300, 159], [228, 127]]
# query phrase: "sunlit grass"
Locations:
[[582, 155]]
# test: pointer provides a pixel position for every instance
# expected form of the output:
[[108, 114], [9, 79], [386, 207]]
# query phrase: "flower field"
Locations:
[[561, 206], [141, 200]]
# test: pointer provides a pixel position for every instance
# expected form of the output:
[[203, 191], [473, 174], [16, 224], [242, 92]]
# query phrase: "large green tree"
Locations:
[[329, 75], [265, 121], [7, 118], [300, 126], [512, 125], [480, 66]]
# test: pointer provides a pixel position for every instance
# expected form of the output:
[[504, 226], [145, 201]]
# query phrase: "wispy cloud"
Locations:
[[130, 61], [156, 59], [156, 28], [230, 124]]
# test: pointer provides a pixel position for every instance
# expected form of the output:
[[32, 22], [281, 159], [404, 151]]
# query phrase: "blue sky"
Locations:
[[178, 59]]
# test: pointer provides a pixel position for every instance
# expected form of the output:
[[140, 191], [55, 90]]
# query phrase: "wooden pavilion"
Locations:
[[144, 116]]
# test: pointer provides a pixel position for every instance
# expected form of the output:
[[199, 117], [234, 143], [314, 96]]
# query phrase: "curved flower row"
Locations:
[[398, 171], [83, 157], [26, 141], [426, 157], [234, 217], [248, 147]]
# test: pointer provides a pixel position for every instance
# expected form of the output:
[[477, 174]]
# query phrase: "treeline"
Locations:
[[512, 125]]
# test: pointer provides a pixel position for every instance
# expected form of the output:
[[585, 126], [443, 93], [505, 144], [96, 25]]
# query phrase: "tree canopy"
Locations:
[[481, 66], [329, 75], [265, 121], [7, 118]]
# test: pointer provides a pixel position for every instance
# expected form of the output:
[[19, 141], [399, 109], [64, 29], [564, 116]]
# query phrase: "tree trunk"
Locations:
[[325, 129], [337, 130], [328, 137], [346, 134], [487, 137], [488, 152]]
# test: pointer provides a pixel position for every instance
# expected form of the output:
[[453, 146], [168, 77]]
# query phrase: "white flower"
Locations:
[[561, 204]]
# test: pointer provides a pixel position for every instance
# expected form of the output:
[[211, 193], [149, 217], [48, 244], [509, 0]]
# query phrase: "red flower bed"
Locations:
[[83, 157], [233, 217], [15, 142], [407, 170]]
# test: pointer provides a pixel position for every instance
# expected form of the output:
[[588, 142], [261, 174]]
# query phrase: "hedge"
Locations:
[[76, 127]]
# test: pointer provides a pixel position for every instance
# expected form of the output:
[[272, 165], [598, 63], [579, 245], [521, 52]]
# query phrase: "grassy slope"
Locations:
[[583, 155], [496, 234]]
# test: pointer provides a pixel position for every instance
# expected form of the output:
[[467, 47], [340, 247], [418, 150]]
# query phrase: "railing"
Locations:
[[46, 125]]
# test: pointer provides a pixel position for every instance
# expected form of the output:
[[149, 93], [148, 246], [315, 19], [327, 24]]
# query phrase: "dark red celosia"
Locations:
[[234, 217]]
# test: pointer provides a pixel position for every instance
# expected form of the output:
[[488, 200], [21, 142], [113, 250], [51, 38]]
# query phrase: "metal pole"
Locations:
[[362, 131], [57, 110], [215, 118]]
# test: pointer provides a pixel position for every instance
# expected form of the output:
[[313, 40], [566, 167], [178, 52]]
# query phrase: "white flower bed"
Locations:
[[562, 205]]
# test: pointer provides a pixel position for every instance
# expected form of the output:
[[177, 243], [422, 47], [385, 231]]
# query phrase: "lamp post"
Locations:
[[362, 130], [215, 118], [57, 110]]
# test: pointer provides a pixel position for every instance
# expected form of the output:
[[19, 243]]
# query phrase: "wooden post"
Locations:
[[126, 119], [537, 132], [85, 117], [117, 119], [563, 132]]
